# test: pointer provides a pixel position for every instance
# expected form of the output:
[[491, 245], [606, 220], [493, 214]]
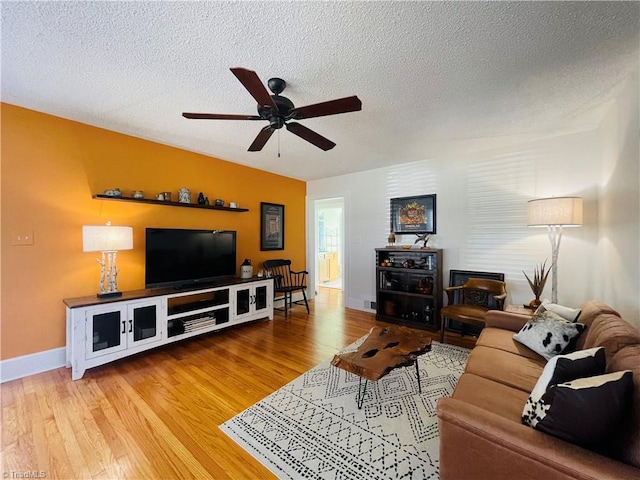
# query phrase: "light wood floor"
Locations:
[[156, 415]]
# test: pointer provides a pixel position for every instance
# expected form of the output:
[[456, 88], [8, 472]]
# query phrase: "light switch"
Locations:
[[22, 238]]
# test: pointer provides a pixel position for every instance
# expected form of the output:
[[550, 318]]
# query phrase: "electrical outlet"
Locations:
[[22, 238]]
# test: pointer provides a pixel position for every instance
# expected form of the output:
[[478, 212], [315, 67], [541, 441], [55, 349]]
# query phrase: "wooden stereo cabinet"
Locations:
[[100, 331], [409, 286]]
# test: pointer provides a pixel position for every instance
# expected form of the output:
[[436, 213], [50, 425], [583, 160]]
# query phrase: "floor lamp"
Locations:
[[108, 239], [555, 213]]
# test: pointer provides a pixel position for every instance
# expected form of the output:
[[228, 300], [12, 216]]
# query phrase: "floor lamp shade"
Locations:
[[565, 211], [555, 213], [108, 239]]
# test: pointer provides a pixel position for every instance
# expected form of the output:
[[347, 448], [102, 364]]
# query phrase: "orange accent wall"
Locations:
[[51, 167]]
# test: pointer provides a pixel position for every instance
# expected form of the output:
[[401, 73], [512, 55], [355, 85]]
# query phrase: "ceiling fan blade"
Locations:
[[261, 139], [252, 83], [219, 116], [310, 136], [332, 107]]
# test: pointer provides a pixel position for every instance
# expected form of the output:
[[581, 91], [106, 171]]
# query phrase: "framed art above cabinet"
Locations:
[[415, 214]]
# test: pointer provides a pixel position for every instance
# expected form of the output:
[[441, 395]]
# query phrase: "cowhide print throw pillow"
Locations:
[[548, 334], [586, 410], [560, 369]]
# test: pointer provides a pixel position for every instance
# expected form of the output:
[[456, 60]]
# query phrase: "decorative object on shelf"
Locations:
[[409, 263], [413, 214], [425, 285], [201, 200], [219, 202], [184, 195], [138, 194], [108, 239], [537, 284], [555, 213], [113, 192], [246, 269], [271, 226], [160, 196], [391, 239], [422, 238], [233, 205], [167, 196]]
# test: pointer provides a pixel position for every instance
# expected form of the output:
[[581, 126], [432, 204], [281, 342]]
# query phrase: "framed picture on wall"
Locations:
[[413, 214], [271, 226]]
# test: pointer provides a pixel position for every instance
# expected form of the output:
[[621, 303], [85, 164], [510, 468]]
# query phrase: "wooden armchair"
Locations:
[[286, 282], [470, 302]]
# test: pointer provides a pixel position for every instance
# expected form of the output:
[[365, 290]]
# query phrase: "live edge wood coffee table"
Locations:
[[384, 349]]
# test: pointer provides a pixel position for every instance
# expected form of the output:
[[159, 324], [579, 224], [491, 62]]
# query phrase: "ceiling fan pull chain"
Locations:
[[278, 143]]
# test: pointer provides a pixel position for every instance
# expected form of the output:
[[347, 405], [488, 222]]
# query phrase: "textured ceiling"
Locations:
[[434, 78]]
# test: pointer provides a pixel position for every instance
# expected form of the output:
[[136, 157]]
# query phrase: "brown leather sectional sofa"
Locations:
[[481, 433]]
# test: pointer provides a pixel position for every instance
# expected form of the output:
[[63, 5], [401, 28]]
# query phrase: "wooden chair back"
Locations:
[[286, 282], [283, 276], [482, 291]]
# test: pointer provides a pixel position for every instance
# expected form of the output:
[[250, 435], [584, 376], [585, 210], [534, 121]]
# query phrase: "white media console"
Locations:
[[100, 331]]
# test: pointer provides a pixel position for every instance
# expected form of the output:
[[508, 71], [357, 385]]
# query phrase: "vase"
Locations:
[[535, 303]]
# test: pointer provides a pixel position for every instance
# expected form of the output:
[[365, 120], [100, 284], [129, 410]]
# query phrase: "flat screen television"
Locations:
[[182, 258]]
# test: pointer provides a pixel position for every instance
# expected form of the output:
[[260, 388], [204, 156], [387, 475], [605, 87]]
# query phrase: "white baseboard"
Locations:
[[359, 304], [19, 367]]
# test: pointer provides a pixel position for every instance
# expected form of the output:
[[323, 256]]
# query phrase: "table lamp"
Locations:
[[555, 213], [108, 239]]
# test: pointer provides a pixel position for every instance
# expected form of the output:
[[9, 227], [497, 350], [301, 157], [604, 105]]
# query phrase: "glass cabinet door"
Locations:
[[261, 298], [143, 324], [243, 301], [105, 331]]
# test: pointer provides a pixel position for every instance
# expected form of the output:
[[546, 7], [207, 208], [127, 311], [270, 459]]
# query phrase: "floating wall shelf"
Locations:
[[165, 202]]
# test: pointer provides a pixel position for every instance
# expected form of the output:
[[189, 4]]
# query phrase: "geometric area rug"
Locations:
[[312, 428]]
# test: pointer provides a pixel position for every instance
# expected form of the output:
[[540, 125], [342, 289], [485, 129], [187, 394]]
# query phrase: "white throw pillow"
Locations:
[[568, 313]]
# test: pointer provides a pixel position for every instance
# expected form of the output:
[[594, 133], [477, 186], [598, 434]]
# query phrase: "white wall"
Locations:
[[481, 212], [619, 208]]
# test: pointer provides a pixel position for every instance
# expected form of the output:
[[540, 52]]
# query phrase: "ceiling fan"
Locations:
[[279, 111]]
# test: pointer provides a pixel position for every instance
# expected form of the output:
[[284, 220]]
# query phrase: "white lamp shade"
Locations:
[[565, 211], [106, 238]]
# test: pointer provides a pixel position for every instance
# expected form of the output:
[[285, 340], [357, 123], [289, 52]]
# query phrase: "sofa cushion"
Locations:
[[563, 368], [503, 340], [548, 334], [588, 313], [507, 368], [491, 396], [611, 332], [584, 410], [625, 443]]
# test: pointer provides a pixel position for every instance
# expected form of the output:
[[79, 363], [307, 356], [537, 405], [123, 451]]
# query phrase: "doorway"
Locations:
[[329, 242]]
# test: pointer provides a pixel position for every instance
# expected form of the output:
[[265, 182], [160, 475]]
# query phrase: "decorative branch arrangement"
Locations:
[[538, 282]]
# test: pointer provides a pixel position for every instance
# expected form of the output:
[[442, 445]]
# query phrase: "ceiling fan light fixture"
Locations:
[[276, 122]]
